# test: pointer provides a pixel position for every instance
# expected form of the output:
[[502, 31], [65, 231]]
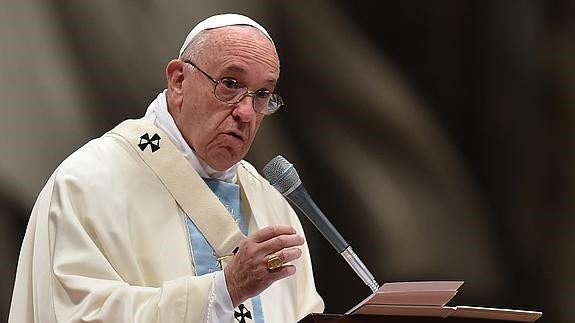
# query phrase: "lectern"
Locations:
[[421, 302], [331, 318]]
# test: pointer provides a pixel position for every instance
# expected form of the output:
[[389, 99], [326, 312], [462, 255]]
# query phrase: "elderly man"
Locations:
[[160, 219]]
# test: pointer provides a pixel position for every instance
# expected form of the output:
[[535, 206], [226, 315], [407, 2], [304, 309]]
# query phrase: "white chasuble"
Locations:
[[108, 239]]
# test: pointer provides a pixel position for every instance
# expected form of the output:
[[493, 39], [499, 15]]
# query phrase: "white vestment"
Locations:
[[107, 239]]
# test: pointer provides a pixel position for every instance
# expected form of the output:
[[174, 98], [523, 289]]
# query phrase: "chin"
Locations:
[[222, 164], [223, 155]]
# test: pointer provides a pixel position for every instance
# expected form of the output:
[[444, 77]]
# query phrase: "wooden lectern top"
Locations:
[[334, 318]]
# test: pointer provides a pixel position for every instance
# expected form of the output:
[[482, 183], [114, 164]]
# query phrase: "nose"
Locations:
[[244, 110]]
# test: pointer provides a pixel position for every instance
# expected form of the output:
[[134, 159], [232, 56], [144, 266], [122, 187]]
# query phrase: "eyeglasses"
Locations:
[[230, 91]]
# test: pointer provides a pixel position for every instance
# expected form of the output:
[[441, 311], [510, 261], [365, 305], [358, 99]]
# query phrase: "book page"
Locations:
[[426, 293], [428, 299], [418, 286]]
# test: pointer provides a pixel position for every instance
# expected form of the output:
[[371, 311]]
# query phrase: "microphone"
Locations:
[[282, 175]]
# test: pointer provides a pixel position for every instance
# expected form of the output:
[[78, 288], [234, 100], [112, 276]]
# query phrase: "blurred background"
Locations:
[[436, 135]]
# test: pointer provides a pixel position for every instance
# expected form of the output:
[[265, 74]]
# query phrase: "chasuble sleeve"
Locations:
[[97, 250], [87, 287]]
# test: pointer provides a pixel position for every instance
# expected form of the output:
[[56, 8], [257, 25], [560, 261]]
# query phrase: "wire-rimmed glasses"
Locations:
[[231, 91]]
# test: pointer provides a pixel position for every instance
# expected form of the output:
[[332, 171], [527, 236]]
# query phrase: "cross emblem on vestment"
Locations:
[[154, 142], [242, 314]]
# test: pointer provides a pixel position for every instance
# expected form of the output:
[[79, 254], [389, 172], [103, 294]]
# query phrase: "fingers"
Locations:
[[281, 242], [281, 272], [277, 237], [272, 231], [288, 255], [248, 272]]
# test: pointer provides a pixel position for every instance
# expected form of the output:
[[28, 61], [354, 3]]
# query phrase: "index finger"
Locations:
[[272, 231]]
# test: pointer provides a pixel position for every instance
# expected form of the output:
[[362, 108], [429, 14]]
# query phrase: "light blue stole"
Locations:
[[203, 255]]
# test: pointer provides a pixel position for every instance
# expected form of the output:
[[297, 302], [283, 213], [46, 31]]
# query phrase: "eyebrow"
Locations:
[[240, 70]]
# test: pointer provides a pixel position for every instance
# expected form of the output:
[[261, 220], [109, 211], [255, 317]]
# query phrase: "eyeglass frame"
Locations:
[[273, 96]]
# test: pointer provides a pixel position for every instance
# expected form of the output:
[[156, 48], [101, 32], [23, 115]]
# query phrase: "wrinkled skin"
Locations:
[[247, 274], [222, 134]]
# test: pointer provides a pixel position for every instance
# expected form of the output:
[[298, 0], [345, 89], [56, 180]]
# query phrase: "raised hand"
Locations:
[[249, 273]]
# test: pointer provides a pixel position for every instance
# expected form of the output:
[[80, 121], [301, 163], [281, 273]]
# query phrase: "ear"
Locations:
[[175, 75], [175, 80]]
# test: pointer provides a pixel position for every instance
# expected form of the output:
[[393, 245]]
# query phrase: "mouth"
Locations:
[[236, 135]]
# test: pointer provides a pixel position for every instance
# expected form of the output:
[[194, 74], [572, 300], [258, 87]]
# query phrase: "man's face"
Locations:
[[221, 134]]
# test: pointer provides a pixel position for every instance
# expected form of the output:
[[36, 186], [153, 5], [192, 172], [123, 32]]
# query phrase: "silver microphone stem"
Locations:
[[359, 268]]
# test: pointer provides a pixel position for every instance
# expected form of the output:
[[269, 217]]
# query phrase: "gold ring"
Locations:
[[274, 262]]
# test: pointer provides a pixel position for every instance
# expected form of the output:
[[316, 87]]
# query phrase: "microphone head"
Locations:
[[282, 175]]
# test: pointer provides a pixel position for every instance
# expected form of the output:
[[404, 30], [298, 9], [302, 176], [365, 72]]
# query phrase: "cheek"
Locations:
[[192, 126], [207, 126]]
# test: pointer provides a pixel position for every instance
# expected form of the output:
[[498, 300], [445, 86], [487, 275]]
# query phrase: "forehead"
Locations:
[[240, 49]]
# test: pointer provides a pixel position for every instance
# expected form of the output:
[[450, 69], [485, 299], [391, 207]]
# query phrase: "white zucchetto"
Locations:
[[221, 20]]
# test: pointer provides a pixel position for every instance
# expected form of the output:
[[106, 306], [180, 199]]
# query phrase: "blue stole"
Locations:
[[203, 255]]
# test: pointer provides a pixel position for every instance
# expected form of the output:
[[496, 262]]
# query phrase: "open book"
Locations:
[[429, 298]]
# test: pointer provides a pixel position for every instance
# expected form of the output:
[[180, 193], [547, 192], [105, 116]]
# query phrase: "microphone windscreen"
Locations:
[[282, 175]]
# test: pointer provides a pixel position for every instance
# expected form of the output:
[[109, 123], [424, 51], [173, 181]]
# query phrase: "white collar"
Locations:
[[158, 114]]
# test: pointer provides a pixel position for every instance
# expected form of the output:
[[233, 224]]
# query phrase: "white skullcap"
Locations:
[[222, 20]]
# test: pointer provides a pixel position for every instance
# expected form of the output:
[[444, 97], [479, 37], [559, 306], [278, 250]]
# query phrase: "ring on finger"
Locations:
[[274, 262]]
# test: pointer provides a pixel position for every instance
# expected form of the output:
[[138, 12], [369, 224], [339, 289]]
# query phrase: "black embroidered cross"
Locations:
[[154, 142], [242, 314]]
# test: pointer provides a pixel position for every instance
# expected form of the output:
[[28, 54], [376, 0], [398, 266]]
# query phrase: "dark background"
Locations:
[[436, 135]]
